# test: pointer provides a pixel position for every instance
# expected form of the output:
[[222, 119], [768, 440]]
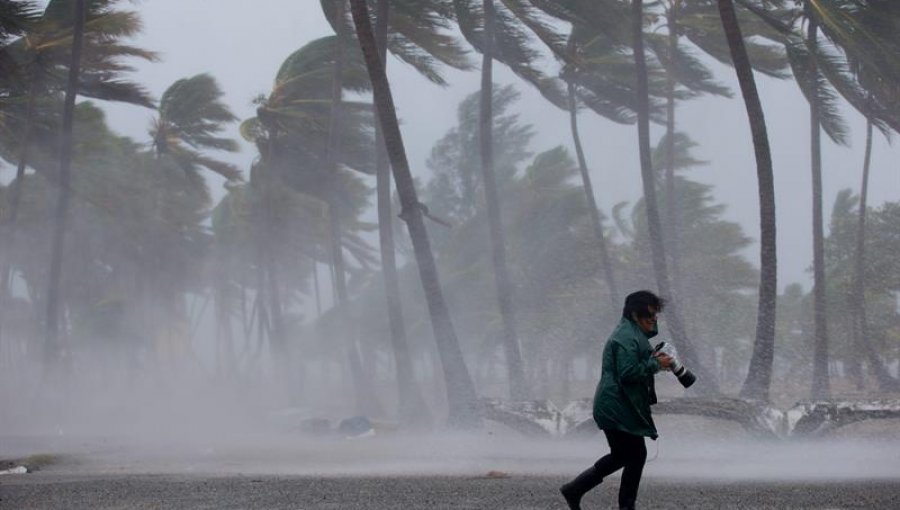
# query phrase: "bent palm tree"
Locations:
[[461, 395], [759, 377], [503, 33], [51, 341], [650, 201], [41, 56]]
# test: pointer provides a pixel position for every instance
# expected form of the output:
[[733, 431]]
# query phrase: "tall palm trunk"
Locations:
[[759, 377], [277, 335], [411, 405], [673, 314], [820, 381], [671, 210], [332, 149], [51, 345], [461, 397], [861, 330], [608, 272], [505, 298], [365, 395]]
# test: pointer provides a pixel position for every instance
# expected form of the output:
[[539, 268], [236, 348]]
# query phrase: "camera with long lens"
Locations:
[[685, 376]]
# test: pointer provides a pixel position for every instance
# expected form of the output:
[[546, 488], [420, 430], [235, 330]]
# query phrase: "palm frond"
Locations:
[[687, 69], [815, 86], [114, 90]]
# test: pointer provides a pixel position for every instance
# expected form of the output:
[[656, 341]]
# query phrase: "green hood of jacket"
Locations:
[[626, 391]]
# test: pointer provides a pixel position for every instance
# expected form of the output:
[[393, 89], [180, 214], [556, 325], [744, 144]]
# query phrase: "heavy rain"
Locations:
[[389, 254]]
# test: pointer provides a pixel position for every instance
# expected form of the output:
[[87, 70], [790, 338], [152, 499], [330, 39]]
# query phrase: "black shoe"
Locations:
[[572, 499], [577, 488]]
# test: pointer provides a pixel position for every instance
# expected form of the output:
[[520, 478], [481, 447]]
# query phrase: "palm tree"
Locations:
[[648, 178], [191, 114], [823, 71], [412, 407], [598, 71], [759, 376], [191, 117], [365, 397], [51, 342], [461, 395], [505, 298], [681, 66], [41, 56], [414, 31], [596, 221], [504, 35], [298, 134], [861, 328]]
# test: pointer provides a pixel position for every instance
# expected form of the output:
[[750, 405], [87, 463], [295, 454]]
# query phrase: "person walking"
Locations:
[[622, 401]]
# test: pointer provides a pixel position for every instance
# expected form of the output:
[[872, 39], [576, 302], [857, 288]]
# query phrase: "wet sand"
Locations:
[[56, 491]]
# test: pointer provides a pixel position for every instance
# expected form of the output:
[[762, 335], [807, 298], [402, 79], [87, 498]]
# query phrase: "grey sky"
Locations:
[[242, 44]]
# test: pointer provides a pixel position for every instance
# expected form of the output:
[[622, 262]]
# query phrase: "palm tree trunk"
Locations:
[[332, 149], [671, 208], [673, 314], [365, 396], [596, 222], [760, 375], [517, 386], [411, 405], [51, 345], [820, 381], [461, 397], [861, 332]]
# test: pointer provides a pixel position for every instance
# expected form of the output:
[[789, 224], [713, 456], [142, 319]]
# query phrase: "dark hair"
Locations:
[[639, 303]]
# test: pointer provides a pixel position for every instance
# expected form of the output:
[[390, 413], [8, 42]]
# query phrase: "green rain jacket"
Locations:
[[625, 391]]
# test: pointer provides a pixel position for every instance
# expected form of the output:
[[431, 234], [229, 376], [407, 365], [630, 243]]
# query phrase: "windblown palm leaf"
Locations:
[[191, 116], [419, 33], [699, 21], [514, 43], [16, 17], [43, 53], [854, 35]]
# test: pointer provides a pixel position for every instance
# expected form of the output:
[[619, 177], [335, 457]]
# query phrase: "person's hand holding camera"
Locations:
[[665, 361]]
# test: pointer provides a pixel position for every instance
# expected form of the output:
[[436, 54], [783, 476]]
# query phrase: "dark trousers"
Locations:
[[629, 453]]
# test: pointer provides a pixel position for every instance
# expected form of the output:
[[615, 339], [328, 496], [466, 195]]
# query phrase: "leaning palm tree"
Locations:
[[51, 340], [648, 178], [861, 336], [306, 143], [865, 34], [412, 407], [681, 67], [822, 72], [599, 73], [759, 376], [415, 32], [461, 397], [191, 117], [504, 33], [41, 57]]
